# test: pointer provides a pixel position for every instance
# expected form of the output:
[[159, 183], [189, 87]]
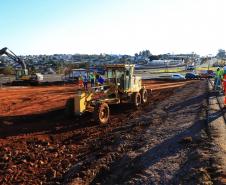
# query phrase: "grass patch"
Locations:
[[171, 70], [206, 68]]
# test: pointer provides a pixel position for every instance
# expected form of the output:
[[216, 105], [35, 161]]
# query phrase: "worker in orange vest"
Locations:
[[224, 84]]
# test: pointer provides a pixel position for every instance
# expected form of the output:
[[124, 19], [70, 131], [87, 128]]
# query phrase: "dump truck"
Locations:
[[120, 86]]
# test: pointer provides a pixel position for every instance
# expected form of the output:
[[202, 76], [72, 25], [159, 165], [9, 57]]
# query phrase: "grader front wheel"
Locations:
[[101, 113]]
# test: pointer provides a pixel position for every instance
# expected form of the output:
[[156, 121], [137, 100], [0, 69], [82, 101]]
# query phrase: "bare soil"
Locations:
[[155, 144], [33, 100]]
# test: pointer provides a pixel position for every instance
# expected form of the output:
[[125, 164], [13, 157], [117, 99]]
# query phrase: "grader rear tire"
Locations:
[[136, 99], [144, 96], [101, 113]]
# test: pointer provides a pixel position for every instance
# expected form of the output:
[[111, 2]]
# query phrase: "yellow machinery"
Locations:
[[22, 75], [121, 86], [81, 99]]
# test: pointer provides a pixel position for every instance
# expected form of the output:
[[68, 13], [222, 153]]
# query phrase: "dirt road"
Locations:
[[152, 145], [151, 149]]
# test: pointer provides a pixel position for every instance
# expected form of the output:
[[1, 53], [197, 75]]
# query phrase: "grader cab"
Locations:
[[120, 86]]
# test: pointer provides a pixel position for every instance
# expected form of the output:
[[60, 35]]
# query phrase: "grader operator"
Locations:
[[121, 86]]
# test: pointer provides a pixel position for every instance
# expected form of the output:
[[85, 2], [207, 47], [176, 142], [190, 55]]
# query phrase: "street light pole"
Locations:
[[208, 63], [210, 55]]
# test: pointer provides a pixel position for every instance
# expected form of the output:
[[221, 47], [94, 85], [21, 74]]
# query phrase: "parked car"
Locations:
[[177, 77], [190, 68], [192, 76]]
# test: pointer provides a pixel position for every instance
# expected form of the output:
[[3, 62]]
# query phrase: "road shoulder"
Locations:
[[217, 134]]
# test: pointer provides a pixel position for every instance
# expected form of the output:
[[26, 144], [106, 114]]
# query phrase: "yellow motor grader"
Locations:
[[120, 86]]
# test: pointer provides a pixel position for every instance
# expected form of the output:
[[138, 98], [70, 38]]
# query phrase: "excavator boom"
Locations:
[[13, 56]]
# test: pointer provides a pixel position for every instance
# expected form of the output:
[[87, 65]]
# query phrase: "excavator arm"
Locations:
[[13, 56], [22, 75]]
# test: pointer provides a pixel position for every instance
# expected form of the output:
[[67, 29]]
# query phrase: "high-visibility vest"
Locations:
[[92, 77], [80, 78], [218, 73]]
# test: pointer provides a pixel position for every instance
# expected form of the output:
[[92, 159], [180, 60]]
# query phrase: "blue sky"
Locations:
[[113, 26]]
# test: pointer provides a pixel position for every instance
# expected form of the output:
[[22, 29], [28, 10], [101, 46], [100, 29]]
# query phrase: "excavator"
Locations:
[[22, 75]]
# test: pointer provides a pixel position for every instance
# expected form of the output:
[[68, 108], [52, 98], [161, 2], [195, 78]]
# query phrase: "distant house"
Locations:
[[50, 71], [157, 62], [74, 74], [97, 62], [166, 62], [175, 62]]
